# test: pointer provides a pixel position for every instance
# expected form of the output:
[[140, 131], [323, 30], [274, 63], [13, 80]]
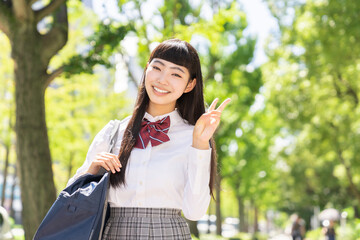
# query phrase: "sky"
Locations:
[[261, 24]]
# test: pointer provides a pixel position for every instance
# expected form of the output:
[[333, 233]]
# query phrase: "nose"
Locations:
[[162, 79]]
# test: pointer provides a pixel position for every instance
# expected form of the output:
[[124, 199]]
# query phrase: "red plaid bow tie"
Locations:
[[156, 132]]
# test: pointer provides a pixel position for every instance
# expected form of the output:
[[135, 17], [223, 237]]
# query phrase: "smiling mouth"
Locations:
[[159, 90]]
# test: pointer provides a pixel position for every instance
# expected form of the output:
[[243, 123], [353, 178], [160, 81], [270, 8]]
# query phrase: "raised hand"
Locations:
[[207, 124]]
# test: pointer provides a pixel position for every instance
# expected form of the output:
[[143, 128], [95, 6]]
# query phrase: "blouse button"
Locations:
[[140, 182]]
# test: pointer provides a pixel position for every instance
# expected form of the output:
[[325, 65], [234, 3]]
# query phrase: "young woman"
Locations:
[[164, 160]]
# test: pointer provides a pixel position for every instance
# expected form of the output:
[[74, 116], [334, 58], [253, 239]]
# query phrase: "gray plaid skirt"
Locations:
[[146, 223]]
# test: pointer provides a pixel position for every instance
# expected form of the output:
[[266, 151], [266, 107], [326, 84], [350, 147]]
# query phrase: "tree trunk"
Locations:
[[349, 174], [247, 219], [256, 219], [356, 212], [12, 212], [193, 228], [242, 225], [5, 173], [208, 221], [32, 148], [218, 208]]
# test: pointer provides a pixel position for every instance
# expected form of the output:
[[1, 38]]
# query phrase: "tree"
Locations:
[[32, 52], [224, 54], [32, 48], [228, 73], [7, 110], [312, 81]]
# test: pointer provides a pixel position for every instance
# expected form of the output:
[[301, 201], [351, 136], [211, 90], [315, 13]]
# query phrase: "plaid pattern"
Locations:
[[146, 223]]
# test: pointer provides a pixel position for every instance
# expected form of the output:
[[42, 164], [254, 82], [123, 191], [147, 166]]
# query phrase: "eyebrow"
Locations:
[[157, 61]]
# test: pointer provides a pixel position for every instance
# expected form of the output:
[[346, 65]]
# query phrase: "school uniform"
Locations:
[[161, 181]]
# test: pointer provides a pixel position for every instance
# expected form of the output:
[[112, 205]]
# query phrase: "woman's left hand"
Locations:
[[207, 124]]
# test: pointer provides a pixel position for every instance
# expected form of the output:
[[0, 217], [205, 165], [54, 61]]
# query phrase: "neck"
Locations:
[[158, 110]]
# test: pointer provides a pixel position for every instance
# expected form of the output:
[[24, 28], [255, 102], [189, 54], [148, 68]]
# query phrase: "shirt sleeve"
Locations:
[[197, 192], [99, 144]]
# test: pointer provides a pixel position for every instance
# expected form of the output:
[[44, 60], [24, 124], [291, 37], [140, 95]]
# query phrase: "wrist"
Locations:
[[88, 171], [202, 145], [92, 171]]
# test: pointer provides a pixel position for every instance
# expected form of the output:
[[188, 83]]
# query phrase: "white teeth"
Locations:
[[159, 90]]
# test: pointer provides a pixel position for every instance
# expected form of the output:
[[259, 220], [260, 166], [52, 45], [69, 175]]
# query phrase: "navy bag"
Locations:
[[80, 209]]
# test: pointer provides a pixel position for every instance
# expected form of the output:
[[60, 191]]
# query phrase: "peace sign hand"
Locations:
[[207, 124]]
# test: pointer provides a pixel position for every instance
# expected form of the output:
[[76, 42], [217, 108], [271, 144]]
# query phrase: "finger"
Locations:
[[214, 119], [103, 164], [116, 163], [215, 116], [215, 112], [213, 104], [114, 158], [223, 104], [108, 163], [101, 153], [109, 154]]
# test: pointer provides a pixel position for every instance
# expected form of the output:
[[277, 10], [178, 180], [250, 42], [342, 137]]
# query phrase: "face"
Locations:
[[165, 82]]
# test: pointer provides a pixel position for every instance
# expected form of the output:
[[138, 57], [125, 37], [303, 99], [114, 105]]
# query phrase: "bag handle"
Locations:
[[113, 138], [114, 134]]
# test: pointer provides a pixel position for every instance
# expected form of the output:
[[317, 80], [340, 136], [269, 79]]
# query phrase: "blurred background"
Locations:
[[288, 144]]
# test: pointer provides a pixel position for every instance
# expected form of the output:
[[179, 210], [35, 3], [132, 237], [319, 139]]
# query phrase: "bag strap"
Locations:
[[113, 138], [114, 134]]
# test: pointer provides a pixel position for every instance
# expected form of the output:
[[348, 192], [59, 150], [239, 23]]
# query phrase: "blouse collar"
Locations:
[[174, 117]]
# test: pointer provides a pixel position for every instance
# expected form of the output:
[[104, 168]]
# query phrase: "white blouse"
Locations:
[[170, 175]]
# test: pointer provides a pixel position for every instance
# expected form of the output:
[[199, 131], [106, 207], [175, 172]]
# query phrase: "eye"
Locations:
[[177, 75], [155, 67]]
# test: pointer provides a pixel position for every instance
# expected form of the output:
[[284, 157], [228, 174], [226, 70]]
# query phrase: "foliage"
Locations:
[[209, 237], [104, 41], [311, 80], [80, 102], [76, 111], [314, 234], [245, 134], [351, 231], [7, 106], [227, 55], [288, 140], [7, 124]]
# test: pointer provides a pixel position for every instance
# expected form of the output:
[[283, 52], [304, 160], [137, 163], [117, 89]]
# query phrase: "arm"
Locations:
[[197, 192], [99, 144]]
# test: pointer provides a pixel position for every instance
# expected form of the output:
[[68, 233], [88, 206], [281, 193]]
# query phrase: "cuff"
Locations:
[[199, 168], [200, 156]]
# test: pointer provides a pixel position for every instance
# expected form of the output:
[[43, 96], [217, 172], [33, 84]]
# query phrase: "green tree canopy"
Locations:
[[311, 79]]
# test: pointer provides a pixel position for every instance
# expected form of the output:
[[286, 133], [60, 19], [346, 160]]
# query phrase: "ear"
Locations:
[[190, 86]]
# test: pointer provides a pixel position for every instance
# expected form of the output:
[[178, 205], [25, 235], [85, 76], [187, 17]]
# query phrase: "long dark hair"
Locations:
[[190, 105]]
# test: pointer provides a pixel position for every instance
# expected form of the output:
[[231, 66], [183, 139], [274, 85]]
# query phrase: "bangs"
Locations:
[[175, 51]]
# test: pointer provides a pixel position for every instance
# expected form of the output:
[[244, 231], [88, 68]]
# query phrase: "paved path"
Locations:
[[281, 237]]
